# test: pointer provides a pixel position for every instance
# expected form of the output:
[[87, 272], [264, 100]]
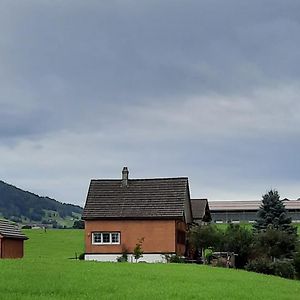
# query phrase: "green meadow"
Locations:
[[49, 271]]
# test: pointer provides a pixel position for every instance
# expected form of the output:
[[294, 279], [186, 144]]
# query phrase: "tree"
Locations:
[[138, 251], [78, 224], [205, 236], [274, 244], [272, 214], [238, 239]]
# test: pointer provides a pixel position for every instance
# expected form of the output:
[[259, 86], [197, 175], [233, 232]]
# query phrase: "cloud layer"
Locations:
[[204, 89]]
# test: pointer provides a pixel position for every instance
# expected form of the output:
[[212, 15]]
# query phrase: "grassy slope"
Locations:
[[47, 273]]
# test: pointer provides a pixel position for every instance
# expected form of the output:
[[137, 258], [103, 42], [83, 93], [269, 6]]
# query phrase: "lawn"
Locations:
[[48, 272], [57, 244]]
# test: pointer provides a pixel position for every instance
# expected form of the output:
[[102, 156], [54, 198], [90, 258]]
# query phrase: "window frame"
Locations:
[[110, 238]]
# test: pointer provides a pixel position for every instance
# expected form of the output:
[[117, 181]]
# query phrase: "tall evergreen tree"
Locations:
[[272, 214]]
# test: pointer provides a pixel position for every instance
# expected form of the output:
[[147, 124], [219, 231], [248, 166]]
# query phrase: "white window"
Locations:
[[105, 238]]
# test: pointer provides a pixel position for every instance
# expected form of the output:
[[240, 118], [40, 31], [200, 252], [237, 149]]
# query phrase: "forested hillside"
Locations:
[[25, 207]]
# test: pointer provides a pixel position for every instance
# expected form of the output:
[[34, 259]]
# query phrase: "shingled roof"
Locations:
[[200, 210], [137, 198], [8, 230]]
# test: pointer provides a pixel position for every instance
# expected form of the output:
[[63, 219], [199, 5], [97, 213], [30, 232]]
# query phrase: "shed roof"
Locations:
[[200, 209], [9, 230], [158, 198]]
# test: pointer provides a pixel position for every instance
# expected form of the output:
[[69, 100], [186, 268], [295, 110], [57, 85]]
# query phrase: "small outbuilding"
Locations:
[[11, 240], [200, 211]]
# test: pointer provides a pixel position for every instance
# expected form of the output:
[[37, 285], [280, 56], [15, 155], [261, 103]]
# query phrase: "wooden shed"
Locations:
[[11, 240]]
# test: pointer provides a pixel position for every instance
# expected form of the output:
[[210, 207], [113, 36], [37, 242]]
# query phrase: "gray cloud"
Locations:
[[205, 89]]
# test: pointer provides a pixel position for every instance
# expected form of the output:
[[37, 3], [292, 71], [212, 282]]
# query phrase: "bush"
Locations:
[[174, 258], [124, 257], [260, 265], [26, 227], [284, 268], [81, 256], [297, 264], [208, 254], [274, 243], [78, 224]]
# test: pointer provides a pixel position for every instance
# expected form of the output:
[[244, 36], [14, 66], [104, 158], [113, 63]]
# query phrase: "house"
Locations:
[[119, 212], [246, 211], [200, 211], [11, 240]]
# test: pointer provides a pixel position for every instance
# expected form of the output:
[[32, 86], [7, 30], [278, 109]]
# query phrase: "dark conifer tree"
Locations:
[[272, 214]]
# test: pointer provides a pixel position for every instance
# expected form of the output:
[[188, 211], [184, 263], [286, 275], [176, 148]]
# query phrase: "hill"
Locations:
[[27, 208]]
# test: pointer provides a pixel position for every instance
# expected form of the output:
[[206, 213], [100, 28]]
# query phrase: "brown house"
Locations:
[[11, 241], [118, 213]]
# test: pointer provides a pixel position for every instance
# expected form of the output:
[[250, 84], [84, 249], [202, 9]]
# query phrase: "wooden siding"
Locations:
[[160, 235], [11, 248]]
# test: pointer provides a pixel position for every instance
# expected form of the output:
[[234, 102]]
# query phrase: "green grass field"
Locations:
[[47, 272]]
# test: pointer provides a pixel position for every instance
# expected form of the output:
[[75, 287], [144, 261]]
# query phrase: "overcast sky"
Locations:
[[204, 89]]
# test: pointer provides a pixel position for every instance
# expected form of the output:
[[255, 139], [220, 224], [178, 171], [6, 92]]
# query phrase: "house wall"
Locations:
[[160, 236], [180, 244], [11, 248]]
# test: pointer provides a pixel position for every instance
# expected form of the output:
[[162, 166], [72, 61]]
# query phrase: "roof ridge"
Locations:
[[140, 179]]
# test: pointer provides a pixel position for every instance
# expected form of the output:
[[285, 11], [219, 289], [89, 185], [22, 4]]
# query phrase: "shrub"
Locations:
[[297, 264], [176, 259], [121, 259], [208, 253], [284, 268], [81, 256], [78, 224], [124, 257], [26, 227], [274, 243], [260, 265]]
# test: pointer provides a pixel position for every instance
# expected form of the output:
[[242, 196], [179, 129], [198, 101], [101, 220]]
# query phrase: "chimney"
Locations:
[[125, 173]]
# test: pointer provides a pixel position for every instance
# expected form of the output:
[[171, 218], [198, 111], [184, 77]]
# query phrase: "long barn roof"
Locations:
[[9, 230], [141, 198], [226, 205]]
